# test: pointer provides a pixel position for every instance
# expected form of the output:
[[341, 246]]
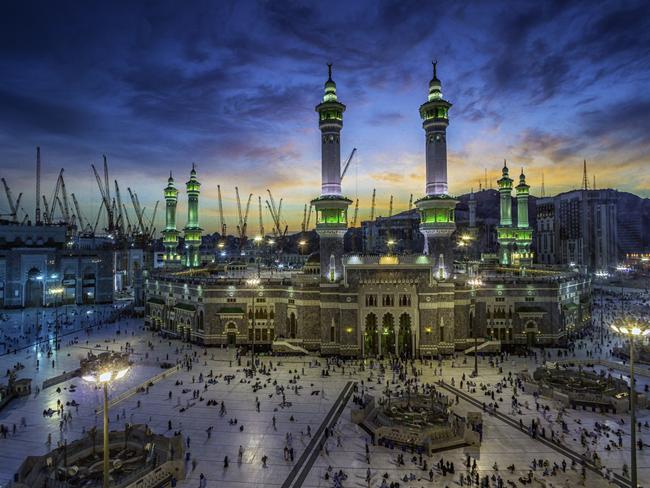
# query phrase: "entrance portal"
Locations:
[[371, 344], [34, 288], [388, 335], [405, 338]]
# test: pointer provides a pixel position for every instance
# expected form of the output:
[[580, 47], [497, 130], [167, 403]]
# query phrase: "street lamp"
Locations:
[[103, 369], [253, 283], [57, 292], [474, 283], [632, 329]]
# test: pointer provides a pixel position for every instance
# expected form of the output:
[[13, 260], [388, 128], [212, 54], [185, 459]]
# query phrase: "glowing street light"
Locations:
[[632, 329], [103, 369]]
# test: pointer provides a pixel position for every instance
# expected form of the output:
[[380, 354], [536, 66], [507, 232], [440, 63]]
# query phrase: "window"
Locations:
[[260, 300], [371, 300], [231, 300], [530, 299], [500, 299], [388, 301]]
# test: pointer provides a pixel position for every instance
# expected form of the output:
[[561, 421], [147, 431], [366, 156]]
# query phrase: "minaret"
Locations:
[[170, 234], [437, 207], [524, 234], [505, 234], [192, 229], [331, 207]]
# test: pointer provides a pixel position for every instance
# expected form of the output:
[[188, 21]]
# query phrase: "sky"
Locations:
[[232, 86]]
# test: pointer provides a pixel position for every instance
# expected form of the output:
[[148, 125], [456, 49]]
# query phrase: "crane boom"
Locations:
[[77, 209], [57, 188], [241, 217], [66, 206], [390, 207], [259, 201], [308, 217], [223, 222], [150, 229], [37, 215], [128, 221], [120, 215], [137, 209], [411, 201], [304, 218], [372, 204], [46, 215], [99, 213], [12, 206], [347, 164], [105, 196]]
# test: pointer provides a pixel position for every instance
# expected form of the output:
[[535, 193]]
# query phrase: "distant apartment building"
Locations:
[[579, 227]]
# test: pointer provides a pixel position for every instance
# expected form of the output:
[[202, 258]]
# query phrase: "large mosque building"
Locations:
[[365, 305]]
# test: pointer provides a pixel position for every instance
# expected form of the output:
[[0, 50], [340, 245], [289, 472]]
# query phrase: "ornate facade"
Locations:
[[357, 305]]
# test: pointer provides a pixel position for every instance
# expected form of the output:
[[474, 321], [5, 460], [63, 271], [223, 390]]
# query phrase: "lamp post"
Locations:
[[632, 329], [253, 283], [57, 292], [474, 283], [102, 370]]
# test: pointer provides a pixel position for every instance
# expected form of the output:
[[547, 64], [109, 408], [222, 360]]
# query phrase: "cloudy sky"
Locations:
[[232, 87]]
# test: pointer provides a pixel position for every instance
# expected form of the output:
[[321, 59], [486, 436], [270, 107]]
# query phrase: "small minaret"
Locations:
[[331, 207], [170, 234], [524, 234], [505, 234], [192, 229], [437, 220]]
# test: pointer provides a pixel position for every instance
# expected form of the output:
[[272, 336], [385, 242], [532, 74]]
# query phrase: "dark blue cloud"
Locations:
[[232, 84]]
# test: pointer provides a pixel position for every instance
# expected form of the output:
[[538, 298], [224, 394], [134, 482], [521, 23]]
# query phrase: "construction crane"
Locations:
[[276, 214], [243, 217], [46, 215], [356, 213], [138, 211], [37, 215], [390, 207], [308, 217], [372, 205], [13, 205], [129, 229], [304, 219], [223, 222], [66, 206], [150, 228], [80, 219], [105, 191], [259, 202], [347, 164], [118, 206], [57, 188], [99, 213], [411, 201]]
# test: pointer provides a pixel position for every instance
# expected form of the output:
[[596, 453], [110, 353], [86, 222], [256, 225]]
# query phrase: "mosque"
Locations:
[[416, 305]]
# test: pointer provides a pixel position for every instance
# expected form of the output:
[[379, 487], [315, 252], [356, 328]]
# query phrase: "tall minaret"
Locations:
[[192, 229], [436, 208], [524, 234], [170, 234], [331, 207], [505, 234]]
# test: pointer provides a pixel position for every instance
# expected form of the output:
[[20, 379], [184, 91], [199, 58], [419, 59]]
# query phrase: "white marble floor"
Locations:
[[502, 443]]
